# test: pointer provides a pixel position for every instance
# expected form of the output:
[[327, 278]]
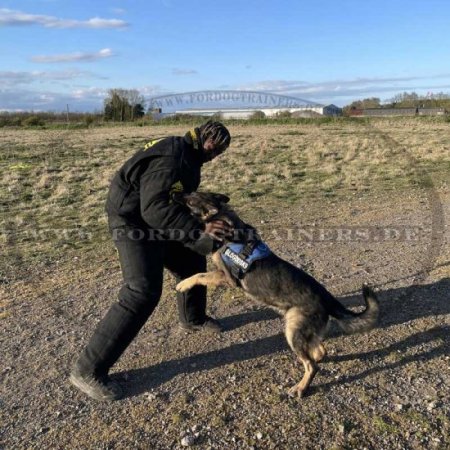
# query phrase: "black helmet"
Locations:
[[215, 131]]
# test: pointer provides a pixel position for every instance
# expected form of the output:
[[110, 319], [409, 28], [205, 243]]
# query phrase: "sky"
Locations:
[[55, 53]]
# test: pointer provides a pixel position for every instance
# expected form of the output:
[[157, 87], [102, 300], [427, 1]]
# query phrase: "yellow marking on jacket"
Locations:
[[194, 138], [176, 187], [152, 143]]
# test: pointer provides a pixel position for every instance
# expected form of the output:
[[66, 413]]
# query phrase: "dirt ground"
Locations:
[[387, 389]]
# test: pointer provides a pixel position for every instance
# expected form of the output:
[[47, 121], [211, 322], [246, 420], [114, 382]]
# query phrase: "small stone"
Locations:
[[259, 435], [188, 440], [398, 407], [341, 428], [150, 396], [431, 406]]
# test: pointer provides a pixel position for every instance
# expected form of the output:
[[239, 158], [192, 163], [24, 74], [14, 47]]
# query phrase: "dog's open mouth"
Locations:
[[209, 215]]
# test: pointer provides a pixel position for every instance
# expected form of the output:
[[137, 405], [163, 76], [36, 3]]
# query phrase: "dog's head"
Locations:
[[203, 205]]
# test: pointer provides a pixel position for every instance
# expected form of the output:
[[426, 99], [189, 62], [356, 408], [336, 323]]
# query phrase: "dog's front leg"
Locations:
[[212, 279]]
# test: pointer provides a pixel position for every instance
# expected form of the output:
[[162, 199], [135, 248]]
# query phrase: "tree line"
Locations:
[[128, 105], [403, 100], [125, 105]]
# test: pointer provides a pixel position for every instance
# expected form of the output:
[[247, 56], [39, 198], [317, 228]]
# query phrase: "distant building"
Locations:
[[332, 110], [245, 113]]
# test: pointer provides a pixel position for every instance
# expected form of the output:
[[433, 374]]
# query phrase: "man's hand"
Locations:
[[218, 229]]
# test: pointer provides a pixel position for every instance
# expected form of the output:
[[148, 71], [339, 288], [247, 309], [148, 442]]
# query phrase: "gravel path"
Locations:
[[387, 389]]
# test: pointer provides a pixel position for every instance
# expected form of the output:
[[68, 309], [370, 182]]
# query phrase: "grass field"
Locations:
[[56, 257], [57, 180]]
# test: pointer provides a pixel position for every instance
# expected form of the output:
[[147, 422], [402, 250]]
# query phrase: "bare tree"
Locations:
[[134, 98], [123, 104]]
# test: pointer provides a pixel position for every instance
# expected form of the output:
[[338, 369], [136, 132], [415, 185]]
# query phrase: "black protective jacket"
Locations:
[[140, 192]]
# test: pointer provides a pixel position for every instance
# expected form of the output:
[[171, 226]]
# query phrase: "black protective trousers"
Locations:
[[142, 262]]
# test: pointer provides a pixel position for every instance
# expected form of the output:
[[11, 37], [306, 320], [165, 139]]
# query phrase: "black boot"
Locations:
[[112, 336], [98, 388]]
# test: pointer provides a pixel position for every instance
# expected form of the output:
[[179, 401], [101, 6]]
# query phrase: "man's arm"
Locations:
[[160, 212], [157, 208]]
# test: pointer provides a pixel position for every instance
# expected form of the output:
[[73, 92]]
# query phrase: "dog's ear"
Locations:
[[178, 197], [222, 198]]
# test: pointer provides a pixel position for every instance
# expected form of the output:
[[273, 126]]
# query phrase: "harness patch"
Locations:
[[235, 258], [238, 258]]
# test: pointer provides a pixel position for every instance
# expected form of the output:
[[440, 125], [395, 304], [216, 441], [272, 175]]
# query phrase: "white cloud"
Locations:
[[177, 71], [71, 57], [11, 78], [79, 99], [151, 90], [89, 93], [347, 88], [18, 18], [26, 100], [118, 10]]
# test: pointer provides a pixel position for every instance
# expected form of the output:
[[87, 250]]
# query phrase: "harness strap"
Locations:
[[248, 249], [236, 272]]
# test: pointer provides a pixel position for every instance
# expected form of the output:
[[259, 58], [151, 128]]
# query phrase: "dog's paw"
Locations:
[[296, 391], [184, 286]]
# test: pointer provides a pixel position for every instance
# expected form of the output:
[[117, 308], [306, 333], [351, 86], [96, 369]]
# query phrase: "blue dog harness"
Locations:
[[238, 257]]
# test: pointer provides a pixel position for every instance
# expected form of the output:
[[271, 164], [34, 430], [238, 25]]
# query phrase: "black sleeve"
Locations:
[[157, 208], [204, 245]]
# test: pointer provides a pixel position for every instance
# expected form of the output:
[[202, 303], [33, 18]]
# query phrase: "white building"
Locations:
[[245, 113]]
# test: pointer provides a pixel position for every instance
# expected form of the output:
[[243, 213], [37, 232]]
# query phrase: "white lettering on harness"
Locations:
[[236, 259]]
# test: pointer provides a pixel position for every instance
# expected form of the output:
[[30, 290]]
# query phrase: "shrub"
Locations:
[[218, 116], [257, 115], [283, 115], [10, 121], [33, 121], [89, 120]]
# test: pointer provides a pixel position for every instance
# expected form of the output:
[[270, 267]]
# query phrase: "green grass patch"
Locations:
[[384, 425], [62, 179]]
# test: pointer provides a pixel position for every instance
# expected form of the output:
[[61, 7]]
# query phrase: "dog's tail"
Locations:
[[352, 322]]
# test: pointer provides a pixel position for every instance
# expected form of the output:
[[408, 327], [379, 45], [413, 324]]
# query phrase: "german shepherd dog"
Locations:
[[303, 302]]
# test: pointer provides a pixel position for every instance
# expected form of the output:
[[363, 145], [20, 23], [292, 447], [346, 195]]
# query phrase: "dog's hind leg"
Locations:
[[213, 279], [305, 345], [310, 371], [318, 352]]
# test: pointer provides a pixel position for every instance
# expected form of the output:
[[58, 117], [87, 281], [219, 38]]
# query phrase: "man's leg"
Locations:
[[183, 263], [142, 267]]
